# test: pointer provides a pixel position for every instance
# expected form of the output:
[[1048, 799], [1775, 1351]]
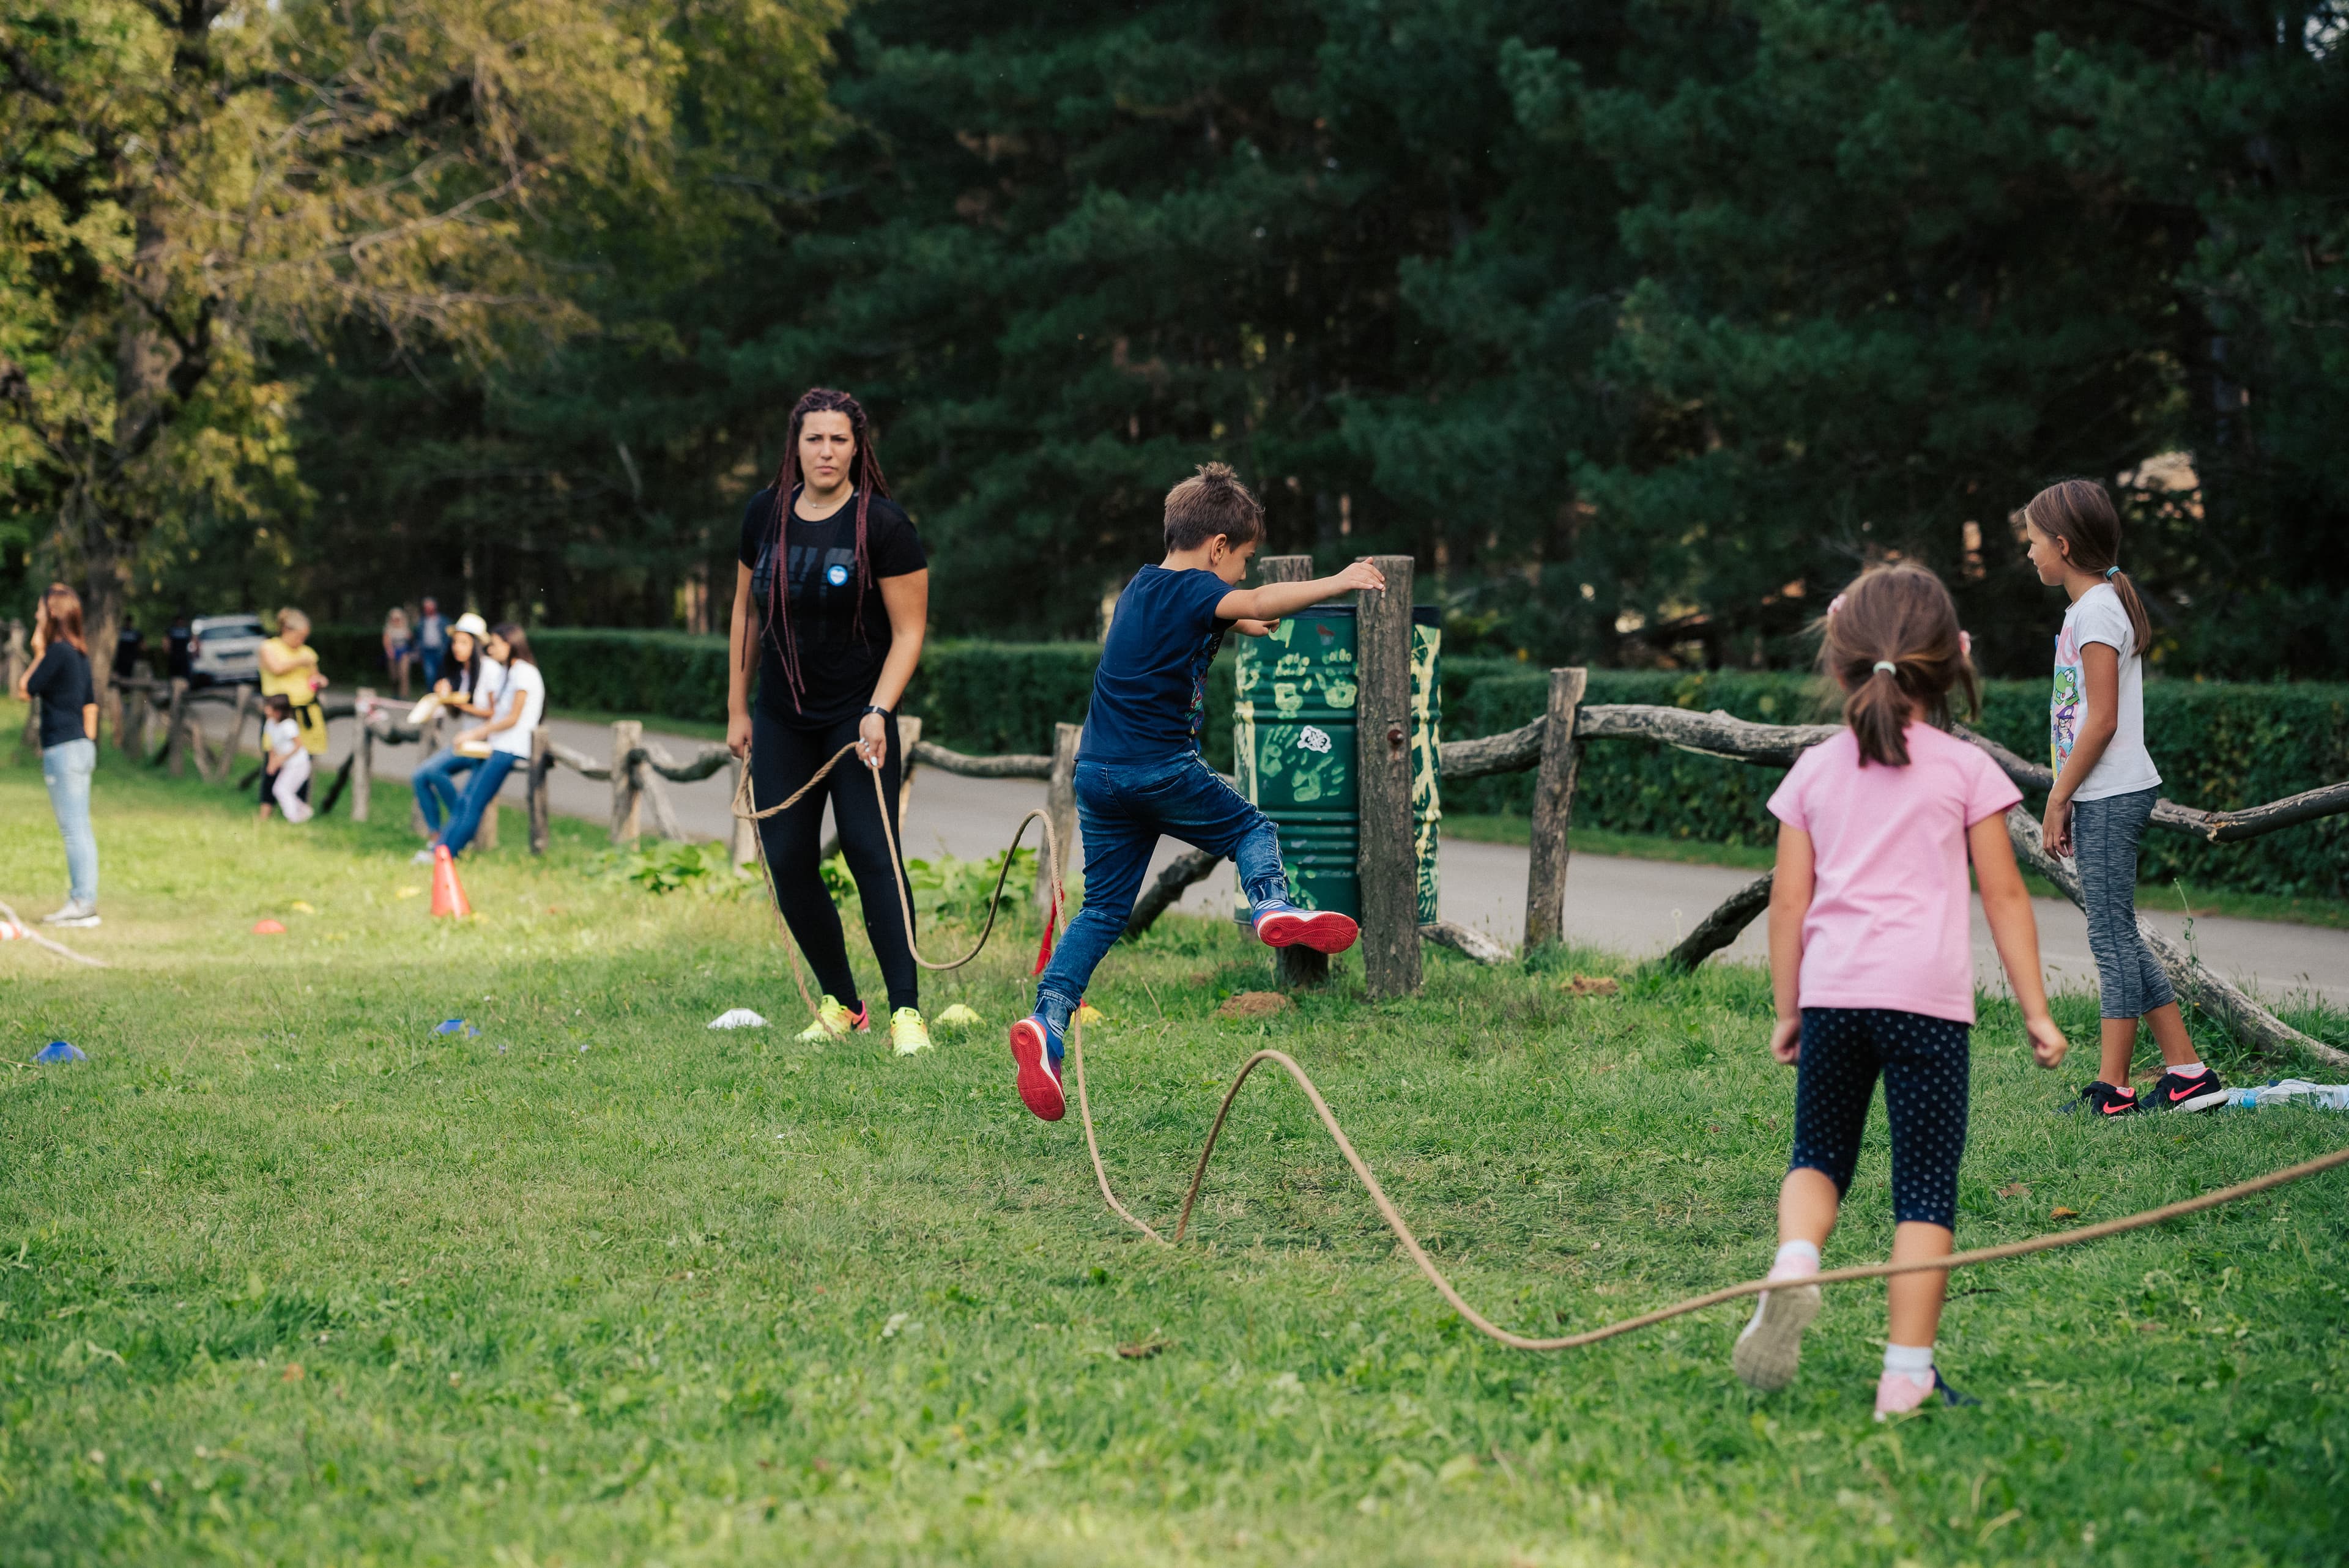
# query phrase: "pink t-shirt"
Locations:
[[1887, 922]]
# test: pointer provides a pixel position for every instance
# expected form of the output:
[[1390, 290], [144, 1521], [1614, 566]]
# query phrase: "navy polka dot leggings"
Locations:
[[1924, 1062]]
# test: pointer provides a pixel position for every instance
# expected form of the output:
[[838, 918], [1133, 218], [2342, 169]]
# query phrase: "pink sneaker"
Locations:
[[1899, 1393]]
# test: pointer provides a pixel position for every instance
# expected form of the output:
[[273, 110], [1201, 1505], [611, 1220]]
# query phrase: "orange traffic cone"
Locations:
[[447, 893]]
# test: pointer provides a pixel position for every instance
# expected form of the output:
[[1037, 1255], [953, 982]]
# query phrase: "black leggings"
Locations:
[[782, 758], [1924, 1065]]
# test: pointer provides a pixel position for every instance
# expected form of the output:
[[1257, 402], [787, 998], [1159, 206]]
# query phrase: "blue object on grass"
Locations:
[[61, 1051], [454, 1026]]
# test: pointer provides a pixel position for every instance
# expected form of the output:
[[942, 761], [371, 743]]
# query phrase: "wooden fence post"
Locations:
[[133, 727], [175, 739], [1293, 968], [1386, 861], [362, 755], [542, 765], [1561, 757], [745, 841], [627, 734], [1060, 807], [233, 747]]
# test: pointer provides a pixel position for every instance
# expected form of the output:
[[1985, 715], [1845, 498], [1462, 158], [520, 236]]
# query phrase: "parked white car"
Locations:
[[223, 650]]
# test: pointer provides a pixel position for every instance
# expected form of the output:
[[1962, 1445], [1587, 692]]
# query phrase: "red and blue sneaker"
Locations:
[[1279, 923], [1036, 1048]]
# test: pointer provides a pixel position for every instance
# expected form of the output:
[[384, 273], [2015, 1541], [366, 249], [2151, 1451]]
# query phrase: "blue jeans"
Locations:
[[488, 776], [435, 783], [66, 769], [430, 659], [1122, 808]]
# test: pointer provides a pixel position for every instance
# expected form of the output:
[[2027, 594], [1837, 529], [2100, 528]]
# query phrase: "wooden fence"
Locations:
[[1552, 744]]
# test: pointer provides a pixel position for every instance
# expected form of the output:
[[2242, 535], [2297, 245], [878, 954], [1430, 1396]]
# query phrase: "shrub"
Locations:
[[2217, 745]]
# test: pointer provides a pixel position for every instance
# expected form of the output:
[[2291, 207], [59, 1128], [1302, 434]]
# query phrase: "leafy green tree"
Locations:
[[192, 183], [1876, 275]]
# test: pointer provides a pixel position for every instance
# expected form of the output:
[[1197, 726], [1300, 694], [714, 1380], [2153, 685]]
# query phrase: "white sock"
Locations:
[[1914, 1362], [1802, 1255], [2188, 1069]]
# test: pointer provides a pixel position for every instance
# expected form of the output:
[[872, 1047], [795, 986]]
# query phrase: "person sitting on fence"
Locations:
[[290, 670], [285, 765], [521, 703], [831, 595], [1871, 962], [1139, 773], [2106, 787], [472, 689]]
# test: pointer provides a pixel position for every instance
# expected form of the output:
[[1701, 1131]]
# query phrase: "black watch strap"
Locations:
[[875, 707]]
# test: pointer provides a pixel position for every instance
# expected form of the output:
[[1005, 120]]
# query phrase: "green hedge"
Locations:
[[2217, 746]]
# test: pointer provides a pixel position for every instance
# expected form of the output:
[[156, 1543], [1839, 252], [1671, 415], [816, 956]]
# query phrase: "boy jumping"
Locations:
[[1139, 773]]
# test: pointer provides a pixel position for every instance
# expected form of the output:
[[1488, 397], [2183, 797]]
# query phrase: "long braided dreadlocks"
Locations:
[[864, 474]]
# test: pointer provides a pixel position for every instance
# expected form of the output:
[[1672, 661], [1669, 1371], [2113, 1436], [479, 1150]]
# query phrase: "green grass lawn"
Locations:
[[2174, 896], [285, 1278]]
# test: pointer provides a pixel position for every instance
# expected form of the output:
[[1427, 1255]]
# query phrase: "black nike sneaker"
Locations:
[[2177, 1092], [2102, 1099]]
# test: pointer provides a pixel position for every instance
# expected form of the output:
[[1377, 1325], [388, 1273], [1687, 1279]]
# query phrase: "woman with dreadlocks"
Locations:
[[831, 601]]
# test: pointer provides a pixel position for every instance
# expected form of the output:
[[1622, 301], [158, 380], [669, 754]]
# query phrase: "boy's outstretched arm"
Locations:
[[2006, 905], [1275, 600]]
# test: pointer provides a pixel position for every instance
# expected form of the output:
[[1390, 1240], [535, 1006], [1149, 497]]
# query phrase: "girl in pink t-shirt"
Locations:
[[1872, 964]]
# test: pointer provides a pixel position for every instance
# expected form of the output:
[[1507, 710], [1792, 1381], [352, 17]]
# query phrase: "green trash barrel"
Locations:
[[1293, 752]]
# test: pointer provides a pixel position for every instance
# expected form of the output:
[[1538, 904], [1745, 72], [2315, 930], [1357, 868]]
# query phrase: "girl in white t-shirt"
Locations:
[[2106, 787], [285, 765]]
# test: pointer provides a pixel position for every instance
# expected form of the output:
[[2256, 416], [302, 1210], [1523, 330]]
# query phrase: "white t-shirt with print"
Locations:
[[525, 687], [2126, 767]]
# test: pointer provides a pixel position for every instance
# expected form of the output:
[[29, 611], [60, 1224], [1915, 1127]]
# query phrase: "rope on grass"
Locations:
[[59, 948], [745, 805]]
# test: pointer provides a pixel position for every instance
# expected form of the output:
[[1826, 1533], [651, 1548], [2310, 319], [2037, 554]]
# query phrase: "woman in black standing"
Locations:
[[832, 598]]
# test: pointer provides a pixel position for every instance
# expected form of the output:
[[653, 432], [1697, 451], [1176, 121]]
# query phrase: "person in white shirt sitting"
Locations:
[[521, 702]]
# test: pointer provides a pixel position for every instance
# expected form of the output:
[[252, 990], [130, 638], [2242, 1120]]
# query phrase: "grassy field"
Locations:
[[2199, 900], [286, 1278]]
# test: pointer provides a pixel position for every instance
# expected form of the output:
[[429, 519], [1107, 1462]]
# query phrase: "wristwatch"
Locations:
[[874, 707]]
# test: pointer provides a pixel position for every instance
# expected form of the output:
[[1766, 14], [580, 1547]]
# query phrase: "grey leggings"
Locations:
[[2104, 841]]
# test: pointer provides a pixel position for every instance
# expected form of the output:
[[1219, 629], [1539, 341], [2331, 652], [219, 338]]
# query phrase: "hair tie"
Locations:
[[1965, 645], [1833, 605], [1888, 667], [2111, 573]]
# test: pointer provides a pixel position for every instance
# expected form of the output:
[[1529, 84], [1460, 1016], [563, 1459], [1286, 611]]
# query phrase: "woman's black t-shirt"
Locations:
[[839, 660], [61, 680]]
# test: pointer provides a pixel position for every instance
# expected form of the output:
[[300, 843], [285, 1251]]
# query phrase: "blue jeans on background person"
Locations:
[[1122, 810], [430, 659], [437, 795], [66, 769], [488, 775]]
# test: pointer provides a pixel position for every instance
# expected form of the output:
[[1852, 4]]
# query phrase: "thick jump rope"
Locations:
[[746, 805]]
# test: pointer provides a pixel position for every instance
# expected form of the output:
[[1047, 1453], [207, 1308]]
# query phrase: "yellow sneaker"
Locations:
[[833, 1021], [907, 1032]]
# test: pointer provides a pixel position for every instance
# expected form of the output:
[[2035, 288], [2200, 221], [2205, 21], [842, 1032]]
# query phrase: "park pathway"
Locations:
[[1630, 906]]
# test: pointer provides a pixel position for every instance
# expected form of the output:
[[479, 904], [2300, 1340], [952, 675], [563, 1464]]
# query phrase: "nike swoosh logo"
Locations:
[[2114, 1108], [2179, 1094]]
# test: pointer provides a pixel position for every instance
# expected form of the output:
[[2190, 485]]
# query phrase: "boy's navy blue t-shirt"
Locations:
[[1149, 690]]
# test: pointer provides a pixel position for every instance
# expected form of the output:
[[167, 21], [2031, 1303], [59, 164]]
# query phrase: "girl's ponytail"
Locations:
[[1877, 712], [1891, 641], [2079, 514]]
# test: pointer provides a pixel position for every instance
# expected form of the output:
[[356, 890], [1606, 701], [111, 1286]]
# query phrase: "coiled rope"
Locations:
[[746, 805]]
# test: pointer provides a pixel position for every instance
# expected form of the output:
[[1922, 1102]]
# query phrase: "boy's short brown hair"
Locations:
[[1210, 503]]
